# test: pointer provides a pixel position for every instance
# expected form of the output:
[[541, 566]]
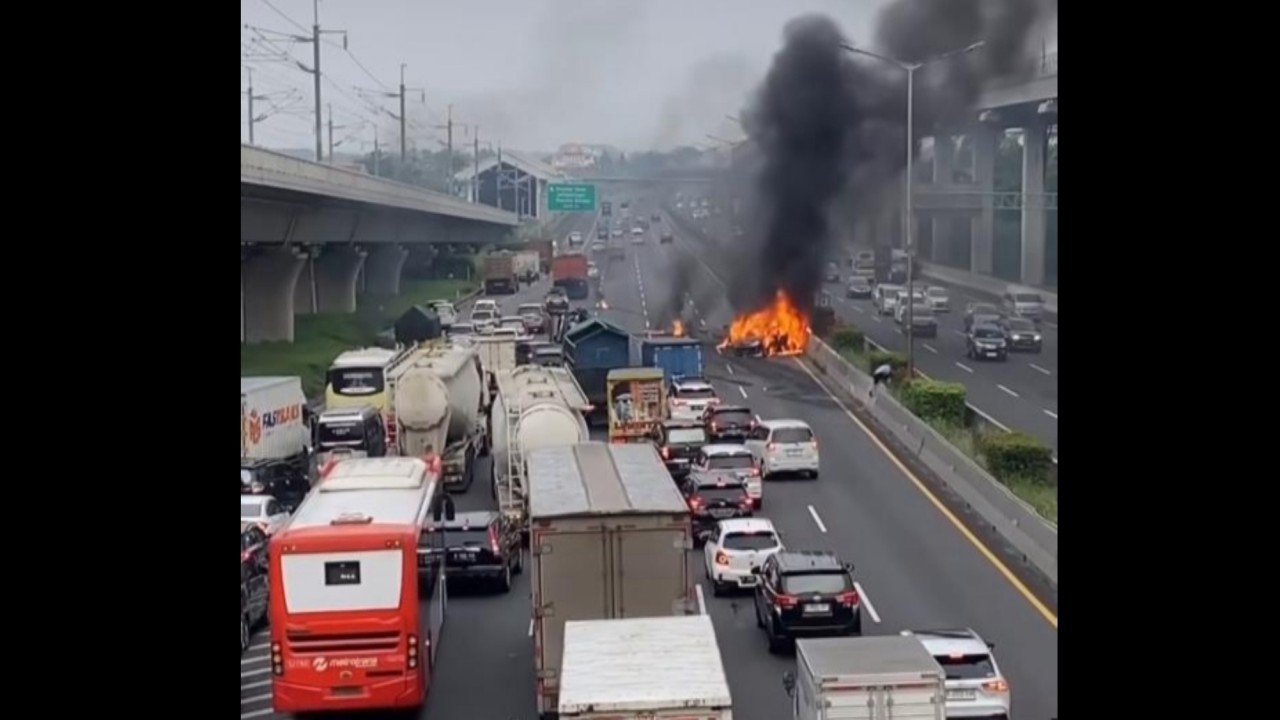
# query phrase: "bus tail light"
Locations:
[[413, 651], [277, 662]]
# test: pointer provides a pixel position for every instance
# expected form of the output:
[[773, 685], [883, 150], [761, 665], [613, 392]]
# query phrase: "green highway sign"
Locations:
[[571, 197]]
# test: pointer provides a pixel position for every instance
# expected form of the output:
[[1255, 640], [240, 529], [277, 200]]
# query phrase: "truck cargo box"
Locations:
[[867, 678]]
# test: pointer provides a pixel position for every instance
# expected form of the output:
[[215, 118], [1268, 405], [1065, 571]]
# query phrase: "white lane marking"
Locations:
[[250, 686], [1039, 369], [817, 519], [1051, 414], [1007, 390], [960, 333], [858, 309], [702, 600], [964, 367], [988, 418], [930, 348], [256, 713], [730, 366], [259, 646], [255, 698], [742, 390], [866, 602], [254, 660], [251, 673], [530, 627], [876, 318]]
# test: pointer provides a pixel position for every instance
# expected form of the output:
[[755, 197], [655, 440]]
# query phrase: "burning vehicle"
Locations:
[[776, 330]]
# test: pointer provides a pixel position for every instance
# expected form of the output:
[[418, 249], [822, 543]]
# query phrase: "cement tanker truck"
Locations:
[[437, 400], [536, 407]]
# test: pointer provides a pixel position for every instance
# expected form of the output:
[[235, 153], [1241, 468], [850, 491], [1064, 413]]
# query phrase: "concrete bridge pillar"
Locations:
[[334, 274], [382, 270], [986, 142], [304, 291], [267, 281], [1034, 150], [943, 159]]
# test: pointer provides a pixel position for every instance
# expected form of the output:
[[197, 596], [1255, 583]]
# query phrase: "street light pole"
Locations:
[[907, 235]]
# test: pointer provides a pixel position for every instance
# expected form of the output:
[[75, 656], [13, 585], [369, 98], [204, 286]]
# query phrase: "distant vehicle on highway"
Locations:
[[885, 298], [735, 461], [1023, 303], [485, 319], [575, 238], [986, 341], [264, 511], [859, 288], [656, 218], [602, 233], [617, 232], [598, 246], [976, 312], [637, 236], [1023, 335], [833, 272], [923, 322], [556, 302], [666, 238], [938, 298], [785, 446], [531, 314], [592, 271]]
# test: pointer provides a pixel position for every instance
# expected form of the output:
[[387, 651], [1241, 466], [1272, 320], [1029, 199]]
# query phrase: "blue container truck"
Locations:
[[677, 357], [591, 350]]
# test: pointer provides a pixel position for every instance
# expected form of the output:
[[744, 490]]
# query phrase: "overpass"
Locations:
[[312, 234]]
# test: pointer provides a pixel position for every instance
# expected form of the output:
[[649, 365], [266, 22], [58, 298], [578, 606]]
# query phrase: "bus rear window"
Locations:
[[342, 581], [356, 381]]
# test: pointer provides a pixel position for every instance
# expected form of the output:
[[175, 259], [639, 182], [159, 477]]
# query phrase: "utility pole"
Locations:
[[475, 167], [449, 124], [377, 153], [497, 178], [314, 39], [403, 116], [252, 97]]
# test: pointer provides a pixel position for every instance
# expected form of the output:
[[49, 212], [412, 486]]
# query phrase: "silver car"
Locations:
[[1023, 303], [938, 299], [975, 685]]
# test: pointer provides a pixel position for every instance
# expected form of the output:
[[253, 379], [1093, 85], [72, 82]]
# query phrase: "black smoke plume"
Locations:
[[827, 129]]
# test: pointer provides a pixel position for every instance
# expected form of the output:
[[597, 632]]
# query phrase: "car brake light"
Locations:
[[413, 651], [713, 426], [695, 503], [849, 598], [244, 556], [277, 661], [787, 601], [746, 502], [997, 685], [263, 526], [771, 447], [666, 452], [493, 541], [814, 444]]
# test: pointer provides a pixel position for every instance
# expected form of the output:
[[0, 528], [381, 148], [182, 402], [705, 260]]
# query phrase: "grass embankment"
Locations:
[[1039, 493], [318, 339]]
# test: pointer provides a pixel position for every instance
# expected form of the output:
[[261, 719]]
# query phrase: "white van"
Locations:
[[784, 446], [885, 298]]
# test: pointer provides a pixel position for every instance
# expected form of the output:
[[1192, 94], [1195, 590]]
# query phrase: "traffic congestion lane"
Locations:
[[1013, 393], [918, 569]]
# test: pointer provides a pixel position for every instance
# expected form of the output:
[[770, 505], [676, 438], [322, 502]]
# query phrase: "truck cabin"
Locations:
[[351, 432]]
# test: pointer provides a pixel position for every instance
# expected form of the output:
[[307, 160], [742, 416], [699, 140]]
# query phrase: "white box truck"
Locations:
[[273, 422], [609, 538], [866, 678], [643, 669]]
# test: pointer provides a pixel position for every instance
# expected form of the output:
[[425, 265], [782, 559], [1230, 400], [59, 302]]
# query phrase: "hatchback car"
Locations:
[[976, 688], [733, 461], [735, 549], [859, 288], [885, 298], [264, 511], [784, 446]]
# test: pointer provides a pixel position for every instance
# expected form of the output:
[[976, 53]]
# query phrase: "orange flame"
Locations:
[[677, 328], [780, 326]]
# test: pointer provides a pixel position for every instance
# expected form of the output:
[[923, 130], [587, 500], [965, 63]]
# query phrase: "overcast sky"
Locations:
[[639, 74]]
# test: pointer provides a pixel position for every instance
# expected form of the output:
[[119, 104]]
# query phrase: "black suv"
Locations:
[[712, 498], [806, 593], [474, 545], [254, 589], [556, 302], [678, 441], [281, 480], [666, 238], [986, 341], [728, 422]]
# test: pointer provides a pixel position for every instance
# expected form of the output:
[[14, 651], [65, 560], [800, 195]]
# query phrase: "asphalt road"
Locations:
[[1020, 394], [916, 569]]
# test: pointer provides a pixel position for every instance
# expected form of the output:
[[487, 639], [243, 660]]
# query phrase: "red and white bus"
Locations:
[[353, 626]]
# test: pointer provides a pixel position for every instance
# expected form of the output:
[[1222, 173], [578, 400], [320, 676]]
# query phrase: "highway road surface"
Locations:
[[1020, 394], [915, 565]]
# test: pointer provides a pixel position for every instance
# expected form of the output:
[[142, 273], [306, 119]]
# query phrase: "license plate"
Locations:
[[721, 512], [462, 557], [962, 694], [817, 608], [795, 453]]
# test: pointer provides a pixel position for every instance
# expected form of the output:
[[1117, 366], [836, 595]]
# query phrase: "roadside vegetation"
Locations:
[[1019, 461], [318, 339]]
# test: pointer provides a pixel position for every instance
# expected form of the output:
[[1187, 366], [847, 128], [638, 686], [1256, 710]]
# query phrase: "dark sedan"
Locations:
[[1023, 335]]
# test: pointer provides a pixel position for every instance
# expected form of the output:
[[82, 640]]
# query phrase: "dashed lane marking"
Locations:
[[256, 713], [742, 391], [964, 367], [1007, 390], [251, 673], [1051, 414], [702, 600], [965, 532], [254, 699], [930, 348], [866, 602], [817, 520], [1038, 369]]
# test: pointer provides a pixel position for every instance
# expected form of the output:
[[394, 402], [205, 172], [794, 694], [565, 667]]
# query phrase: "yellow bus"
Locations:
[[359, 377]]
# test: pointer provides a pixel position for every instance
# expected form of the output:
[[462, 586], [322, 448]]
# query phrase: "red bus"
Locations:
[[353, 626]]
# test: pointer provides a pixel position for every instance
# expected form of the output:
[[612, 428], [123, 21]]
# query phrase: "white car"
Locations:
[[885, 298], [735, 460], [575, 237], [900, 307], [938, 298], [975, 686], [264, 511], [735, 549], [592, 271], [784, 446], [617, 232], [486, 304], [447, 313], [688, 399], [484, 320]]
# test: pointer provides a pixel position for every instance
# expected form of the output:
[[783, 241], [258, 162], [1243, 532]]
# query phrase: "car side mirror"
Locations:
[[849, 566], [991, 646], [789, 683], [755, 570]]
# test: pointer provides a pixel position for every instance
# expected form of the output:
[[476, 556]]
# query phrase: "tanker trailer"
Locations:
[[535, 407], [437, 395]]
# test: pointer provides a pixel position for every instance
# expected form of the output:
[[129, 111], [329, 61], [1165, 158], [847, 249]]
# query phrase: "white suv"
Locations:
[[975, 686], [885, 297], [690, 398], [784, 446], [735, 549]]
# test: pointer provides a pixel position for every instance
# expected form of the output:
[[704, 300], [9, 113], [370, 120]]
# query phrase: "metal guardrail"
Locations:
[[1034, 537]]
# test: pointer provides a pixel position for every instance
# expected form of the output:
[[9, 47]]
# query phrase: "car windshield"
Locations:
[[983, 309], [763, 540], [694, 393], [356, 381], [966, 667], [686, 436], [730, 462], [828, 582], [1027, 298], [937, 292], [741, 417], [728, 492], [251, 509], [988, 333], [792, 435], [1020, 324], [530, 309]]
